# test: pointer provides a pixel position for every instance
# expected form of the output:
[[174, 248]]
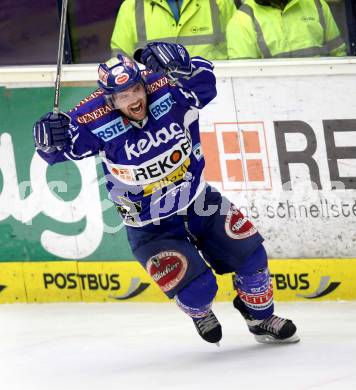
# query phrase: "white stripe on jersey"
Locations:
[[202, 60], [199, 70]]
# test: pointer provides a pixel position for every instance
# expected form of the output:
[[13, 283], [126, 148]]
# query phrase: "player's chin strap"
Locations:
[[139, 124]]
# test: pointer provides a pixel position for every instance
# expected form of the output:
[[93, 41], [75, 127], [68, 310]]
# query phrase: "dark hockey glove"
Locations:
[[170, 58], [51, 131]]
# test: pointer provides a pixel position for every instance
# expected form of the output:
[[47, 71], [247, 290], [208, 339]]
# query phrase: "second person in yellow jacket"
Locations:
[[200, 25], [282, 28]]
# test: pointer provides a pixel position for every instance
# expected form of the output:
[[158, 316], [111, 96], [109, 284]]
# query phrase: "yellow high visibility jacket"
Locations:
[[304, 28], [201, 27]]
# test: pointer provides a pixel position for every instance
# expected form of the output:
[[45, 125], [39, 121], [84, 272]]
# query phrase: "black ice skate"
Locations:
[[209, 328], [270, 330]]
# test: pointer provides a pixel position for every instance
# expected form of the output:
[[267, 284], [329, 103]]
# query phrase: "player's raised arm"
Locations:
[[59, 137], [194, 77], [52, 137], [51, 133]]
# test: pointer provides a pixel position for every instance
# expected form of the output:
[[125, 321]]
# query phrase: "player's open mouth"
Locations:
[[137, 108]]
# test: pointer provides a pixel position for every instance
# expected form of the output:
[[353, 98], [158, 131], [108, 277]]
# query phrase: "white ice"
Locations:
[[129, 346]]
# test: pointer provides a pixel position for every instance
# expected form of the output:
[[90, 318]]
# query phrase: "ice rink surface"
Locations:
[[129, 346]]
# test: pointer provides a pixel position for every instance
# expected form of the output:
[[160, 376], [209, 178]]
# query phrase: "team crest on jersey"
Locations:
[[167, 269], [129, 210], [237, 226]]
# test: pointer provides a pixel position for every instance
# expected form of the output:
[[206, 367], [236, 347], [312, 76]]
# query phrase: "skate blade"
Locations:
[[217, 344], [267, 339]]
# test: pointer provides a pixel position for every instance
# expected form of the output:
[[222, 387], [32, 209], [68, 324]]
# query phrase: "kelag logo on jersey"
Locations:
[[154, 140], [112, 129], [157, 168], [161, 106]]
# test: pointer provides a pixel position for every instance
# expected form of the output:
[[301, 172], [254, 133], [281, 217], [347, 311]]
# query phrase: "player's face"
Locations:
[[132, 102]]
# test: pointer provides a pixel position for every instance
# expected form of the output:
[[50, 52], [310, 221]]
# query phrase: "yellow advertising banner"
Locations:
[[120, 281], [314, 279], [117, 281], [52, 281], [12, 285]]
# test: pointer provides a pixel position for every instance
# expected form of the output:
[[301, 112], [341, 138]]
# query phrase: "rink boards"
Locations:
[[279, 141], [126, 281]]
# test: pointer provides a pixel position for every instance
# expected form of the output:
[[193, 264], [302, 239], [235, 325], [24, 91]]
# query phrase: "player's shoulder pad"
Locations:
[[91, 108], [155, 82], [93, 99]]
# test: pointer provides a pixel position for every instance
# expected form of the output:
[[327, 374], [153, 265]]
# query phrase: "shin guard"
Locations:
[[256, 293], [254, 285], [196, 298]]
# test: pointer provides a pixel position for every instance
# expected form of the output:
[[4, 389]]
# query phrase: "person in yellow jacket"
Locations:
[[282, 28], [199, 25]]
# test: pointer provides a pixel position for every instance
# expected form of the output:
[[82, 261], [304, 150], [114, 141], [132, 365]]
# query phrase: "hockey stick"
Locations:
[[57, 85]]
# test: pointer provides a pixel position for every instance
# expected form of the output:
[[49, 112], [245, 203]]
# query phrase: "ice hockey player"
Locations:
[[145, 127]]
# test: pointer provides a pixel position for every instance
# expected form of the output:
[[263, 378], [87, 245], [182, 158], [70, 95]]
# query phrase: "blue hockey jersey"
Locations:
[[153, 169]]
